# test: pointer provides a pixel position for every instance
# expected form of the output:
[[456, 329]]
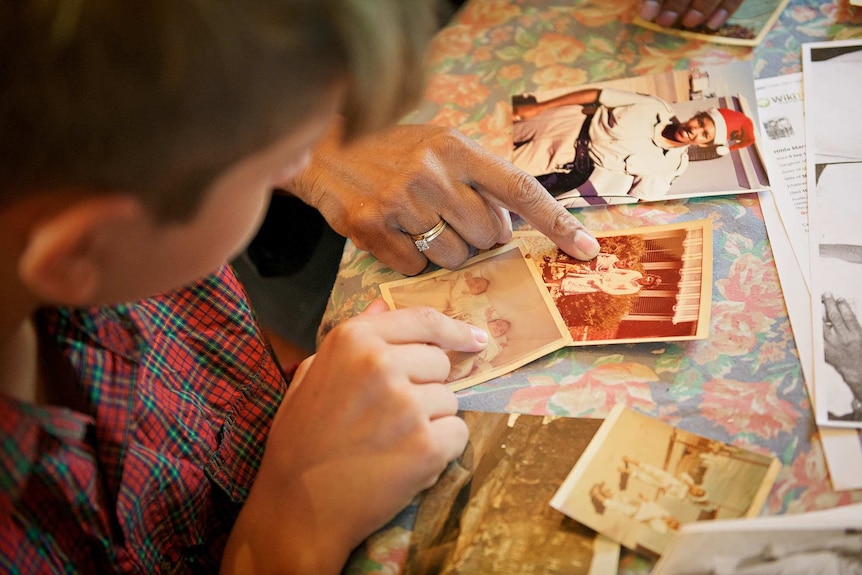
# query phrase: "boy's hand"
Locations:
[[366, 425], [379, 190]]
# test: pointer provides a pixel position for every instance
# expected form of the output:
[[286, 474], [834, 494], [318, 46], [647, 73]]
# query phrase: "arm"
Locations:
[[847, 252], [587, 97], [381, 188], [365, 426]]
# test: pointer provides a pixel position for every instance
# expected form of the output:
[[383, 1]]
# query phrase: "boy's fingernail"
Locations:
[[586, 243], [717, 20], [692, 19], [480, 335], [667, 18], [650, 9]]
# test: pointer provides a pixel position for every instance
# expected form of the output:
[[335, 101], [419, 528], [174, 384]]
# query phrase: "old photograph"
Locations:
[[649, 284], [489, 511], [832, 74], [747, 26], [499, 291], [640, 480], [674, 135], [827, 541]]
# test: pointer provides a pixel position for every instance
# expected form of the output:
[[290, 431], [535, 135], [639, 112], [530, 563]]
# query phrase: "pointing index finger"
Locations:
[[504, 183], [425, 325]]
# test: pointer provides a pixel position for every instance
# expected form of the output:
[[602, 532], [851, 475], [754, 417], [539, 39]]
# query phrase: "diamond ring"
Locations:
[[422, 240]]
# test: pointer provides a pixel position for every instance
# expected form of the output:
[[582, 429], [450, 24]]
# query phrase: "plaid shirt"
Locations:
[[148, 473]]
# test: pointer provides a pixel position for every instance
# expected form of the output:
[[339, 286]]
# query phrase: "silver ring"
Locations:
[[422, 240]]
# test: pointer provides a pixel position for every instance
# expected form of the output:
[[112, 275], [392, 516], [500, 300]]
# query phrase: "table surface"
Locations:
[[744, 384]]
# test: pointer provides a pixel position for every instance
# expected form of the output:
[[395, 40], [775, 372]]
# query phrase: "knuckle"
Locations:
[[427, 316], [450, 261], [563, 222], [484, 241], [366, 348], [410, 266], [524, 190], [452, 258], [346, 332], [450, 139], [418, 172]]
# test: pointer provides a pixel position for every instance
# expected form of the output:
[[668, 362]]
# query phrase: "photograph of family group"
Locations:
[[649, 284], [679, 134]]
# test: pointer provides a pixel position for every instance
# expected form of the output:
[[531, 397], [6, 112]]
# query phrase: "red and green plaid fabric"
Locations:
[[148, 472]]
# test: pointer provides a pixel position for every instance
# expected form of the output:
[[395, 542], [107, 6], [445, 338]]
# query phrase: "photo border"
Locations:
[[705, 292], [553, 315]]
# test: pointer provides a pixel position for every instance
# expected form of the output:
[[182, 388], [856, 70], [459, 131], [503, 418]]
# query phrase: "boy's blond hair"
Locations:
[[157, 97]]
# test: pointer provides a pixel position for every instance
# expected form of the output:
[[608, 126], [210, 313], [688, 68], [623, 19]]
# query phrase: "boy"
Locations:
[[140, 145]]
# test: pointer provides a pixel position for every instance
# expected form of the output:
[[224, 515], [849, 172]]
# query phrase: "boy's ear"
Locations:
[[62, 260]]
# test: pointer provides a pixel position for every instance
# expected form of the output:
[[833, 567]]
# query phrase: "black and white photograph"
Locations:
[[499, 291], [832, 73], [679, 134], [818, 542], [640, 480], [649, 284]]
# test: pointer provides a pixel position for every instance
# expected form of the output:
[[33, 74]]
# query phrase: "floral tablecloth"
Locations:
[[744, 384]]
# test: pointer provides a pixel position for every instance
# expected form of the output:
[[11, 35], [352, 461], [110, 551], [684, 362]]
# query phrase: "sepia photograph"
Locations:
[[640, 480], [747, 26], [679, 134], [499, 291], [832, 74], [826, 542], [649, 284], [489, 513]]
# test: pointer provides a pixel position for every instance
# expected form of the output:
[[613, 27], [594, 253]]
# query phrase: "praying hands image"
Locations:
[[842, 339]]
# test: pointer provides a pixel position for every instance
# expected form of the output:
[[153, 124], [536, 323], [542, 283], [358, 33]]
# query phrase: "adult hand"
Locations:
[[365, 426], [381, 189], [842, 339], [689, 13]]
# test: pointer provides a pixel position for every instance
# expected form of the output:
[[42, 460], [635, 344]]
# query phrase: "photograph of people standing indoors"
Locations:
[[620, 144]]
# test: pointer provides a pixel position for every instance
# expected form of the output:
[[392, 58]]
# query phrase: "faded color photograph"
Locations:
[[489, 511], [649, 284], [499, 291], [640, 480], [673, 135]]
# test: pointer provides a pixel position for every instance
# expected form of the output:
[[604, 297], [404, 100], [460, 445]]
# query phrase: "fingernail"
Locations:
[[508, 220], [480, 335], [667, 18], [692, 19], [586, 243], [650, 9], [717, 20]]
